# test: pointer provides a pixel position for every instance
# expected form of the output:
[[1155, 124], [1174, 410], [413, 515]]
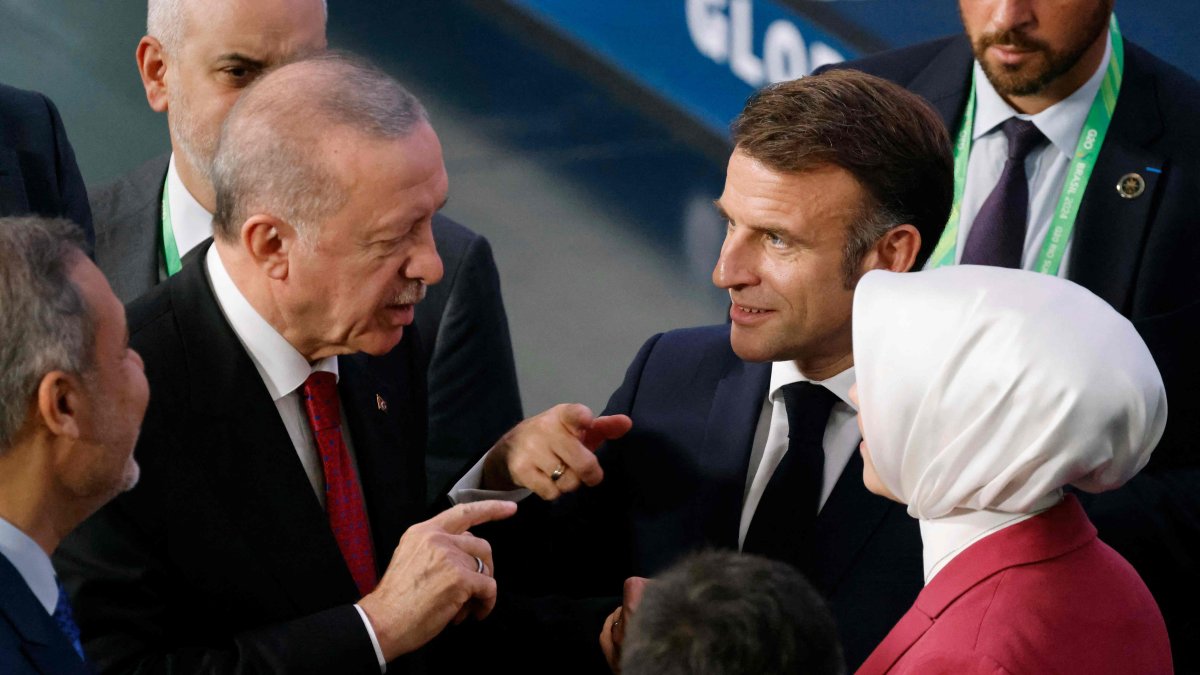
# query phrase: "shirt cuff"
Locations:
[[374, 639], [467, 489]]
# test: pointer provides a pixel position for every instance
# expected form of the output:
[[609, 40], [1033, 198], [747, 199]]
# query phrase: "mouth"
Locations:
[[400, 314], [746, 315]]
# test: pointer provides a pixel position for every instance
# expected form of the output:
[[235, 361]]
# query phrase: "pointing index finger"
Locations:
[[463, 517]]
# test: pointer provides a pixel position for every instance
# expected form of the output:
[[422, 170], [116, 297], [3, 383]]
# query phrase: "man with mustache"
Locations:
[[1076, 155], [195, 61], [277, 526]]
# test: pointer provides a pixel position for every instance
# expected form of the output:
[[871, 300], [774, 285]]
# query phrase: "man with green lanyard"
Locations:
[[195, 61], [1076, 154]]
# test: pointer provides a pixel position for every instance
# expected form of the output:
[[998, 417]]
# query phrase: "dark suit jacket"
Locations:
[[675, 484], [1141, 255], [30, 640], [38, 173], [1042, 596], [221, 559], [466, 349]]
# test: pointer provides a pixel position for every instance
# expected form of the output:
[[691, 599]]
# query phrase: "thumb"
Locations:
[[606, 429]]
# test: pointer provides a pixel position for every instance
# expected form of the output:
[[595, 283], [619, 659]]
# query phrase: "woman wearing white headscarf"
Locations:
[[982, 393]]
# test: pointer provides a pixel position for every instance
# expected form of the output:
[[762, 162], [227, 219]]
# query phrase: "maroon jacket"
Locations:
[[1042, 596]]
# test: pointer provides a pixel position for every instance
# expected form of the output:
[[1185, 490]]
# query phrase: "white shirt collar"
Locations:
[[1061, 123], [786, 372], [282, 368], [942, 539], [31, 562], [190, 221]]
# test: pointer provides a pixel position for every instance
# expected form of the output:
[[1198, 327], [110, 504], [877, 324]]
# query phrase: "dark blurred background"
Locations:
[[585, 139]]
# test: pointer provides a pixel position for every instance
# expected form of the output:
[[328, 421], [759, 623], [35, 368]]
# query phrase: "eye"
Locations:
[[239, 76], [774, 239]]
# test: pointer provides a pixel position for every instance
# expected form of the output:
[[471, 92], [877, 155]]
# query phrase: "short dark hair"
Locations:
[[45, 323], [717, 613], [892, 142]]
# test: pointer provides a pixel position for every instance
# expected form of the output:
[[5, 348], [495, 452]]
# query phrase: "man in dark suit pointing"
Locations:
[[743, 435], [283, 451], [196, 59]]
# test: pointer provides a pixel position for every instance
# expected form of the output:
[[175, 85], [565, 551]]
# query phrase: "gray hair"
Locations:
[[719, 613], [270, 159], [45, 324], [165, 20]]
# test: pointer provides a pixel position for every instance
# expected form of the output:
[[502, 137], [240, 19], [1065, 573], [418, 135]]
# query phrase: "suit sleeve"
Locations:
[[72, 193], [472, 375]]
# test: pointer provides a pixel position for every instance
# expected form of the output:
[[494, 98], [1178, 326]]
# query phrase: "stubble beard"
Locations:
[[199, 147]]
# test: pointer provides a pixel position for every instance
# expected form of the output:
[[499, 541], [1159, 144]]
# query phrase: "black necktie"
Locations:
[[997, 236], [783, 524]]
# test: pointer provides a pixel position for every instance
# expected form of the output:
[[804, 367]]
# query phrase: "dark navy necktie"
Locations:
[[997, 236], [784, 521], [66, 620]]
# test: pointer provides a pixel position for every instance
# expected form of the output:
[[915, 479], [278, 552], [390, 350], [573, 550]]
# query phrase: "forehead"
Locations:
[[824, 196], [268, 30]]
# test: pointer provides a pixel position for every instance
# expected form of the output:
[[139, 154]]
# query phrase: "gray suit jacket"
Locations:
[[465, 344]]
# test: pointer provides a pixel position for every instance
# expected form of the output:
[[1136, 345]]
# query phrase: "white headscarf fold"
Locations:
[[988, 388]]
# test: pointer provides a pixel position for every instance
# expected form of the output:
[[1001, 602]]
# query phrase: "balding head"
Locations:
[[274, 148]]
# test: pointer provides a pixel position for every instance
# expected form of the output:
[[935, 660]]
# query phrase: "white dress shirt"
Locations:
[[283, 371], [770, 443], [1045, 168], [190, 222], [31, 563], [771, 437]]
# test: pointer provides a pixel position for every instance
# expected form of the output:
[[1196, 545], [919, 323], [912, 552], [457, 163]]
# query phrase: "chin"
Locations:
[[749, 349], [380, 343]]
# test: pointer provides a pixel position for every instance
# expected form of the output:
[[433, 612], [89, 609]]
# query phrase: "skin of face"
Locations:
[[112, 399], [352, 284], [870, 475], [782, 262], [1037, 52], [225, 46]]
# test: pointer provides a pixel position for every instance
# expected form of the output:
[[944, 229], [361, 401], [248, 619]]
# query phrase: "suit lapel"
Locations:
[[903, 635], [381, 398], [725, 452], [845, 524], [128, 219], [249, 458], [946, 82], [42, 641], [1110, 230]]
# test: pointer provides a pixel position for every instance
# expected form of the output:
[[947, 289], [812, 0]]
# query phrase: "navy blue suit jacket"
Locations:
[[38, 174], [1142, 255], [30, 640], [674, 485]]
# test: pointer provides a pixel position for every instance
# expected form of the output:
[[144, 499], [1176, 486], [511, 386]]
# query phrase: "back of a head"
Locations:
[[45, 324], [272, 154], [719, 613], [893, 143]]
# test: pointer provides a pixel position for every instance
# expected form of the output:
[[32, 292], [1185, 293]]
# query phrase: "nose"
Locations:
[[735, 266], [1013, 14], [424, 263]]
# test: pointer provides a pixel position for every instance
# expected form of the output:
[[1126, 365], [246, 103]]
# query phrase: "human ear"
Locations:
[[152, 66], [896, 251], [58, 404], [270, 242]]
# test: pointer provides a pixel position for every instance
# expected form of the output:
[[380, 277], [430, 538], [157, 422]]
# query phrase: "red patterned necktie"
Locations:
[[343, 495]]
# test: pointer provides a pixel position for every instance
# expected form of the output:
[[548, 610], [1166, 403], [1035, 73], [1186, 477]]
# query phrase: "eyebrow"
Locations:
[[721, 210], [242, 58]]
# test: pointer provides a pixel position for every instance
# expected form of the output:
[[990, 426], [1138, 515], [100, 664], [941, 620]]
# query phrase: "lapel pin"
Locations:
[[1131, 185], [380, 403]]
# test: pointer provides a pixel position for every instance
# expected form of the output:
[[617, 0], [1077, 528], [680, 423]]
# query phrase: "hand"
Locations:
[[431, 578], [565, 436], [612, 635]]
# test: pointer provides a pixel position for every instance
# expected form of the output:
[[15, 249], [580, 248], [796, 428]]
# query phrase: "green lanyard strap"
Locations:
[[1095, 128], [170, 249]]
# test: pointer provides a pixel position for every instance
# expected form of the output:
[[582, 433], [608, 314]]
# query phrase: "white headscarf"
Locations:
[[988, 388]]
